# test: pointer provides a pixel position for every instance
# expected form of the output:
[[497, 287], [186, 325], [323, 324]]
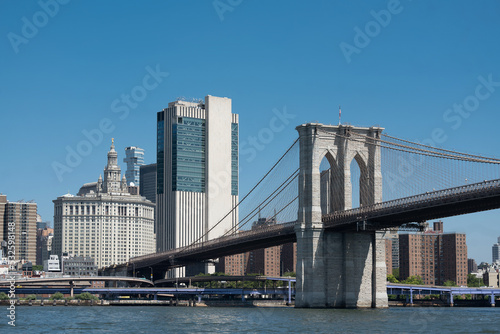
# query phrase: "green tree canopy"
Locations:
[[415, 280], [395, 272], [57, 296], [473, 281], [86, 296], [392, 279], [449, 283]]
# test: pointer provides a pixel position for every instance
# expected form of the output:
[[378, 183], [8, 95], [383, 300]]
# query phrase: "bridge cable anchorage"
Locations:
[[242, 200]]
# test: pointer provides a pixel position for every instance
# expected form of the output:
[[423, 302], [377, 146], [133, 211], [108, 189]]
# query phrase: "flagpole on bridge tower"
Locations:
[[340, 113]]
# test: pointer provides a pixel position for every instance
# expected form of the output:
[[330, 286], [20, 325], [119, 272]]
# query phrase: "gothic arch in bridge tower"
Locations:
[[365, 197], [340, 145], [354, 274]]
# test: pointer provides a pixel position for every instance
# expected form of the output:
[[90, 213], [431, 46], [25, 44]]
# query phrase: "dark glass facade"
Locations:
[[160, 152], [188, 154], [147, 182], [234, 159]]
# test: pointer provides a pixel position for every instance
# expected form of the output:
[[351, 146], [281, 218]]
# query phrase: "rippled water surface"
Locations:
[[156, 319]]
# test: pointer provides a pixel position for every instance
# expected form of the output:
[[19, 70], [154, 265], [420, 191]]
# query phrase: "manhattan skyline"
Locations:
[[94, 71]]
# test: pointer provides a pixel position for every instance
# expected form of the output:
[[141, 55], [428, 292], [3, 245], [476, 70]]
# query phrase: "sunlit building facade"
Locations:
[[18, 222], [134, 158], [197, 172], [104, 221]]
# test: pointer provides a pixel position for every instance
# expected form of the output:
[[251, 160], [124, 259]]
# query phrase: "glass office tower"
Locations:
[[197, 172], [134, 158]]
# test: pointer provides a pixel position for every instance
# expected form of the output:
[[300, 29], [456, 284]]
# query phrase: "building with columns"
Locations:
[[104, 221]]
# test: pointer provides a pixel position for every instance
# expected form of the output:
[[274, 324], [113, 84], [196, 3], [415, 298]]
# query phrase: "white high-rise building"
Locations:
[[197, 173], [104, 221], [496, 252]]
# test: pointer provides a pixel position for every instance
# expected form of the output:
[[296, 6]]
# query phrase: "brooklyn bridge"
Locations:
[[338, 224]]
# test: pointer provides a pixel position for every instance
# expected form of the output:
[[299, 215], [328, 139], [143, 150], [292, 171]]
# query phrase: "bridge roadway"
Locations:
[[399, 289], [43, 281], [196, 279], [470, 198], [411, 290]]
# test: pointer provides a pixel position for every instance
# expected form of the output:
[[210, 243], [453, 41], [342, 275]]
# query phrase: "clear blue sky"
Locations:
[[66, 71]]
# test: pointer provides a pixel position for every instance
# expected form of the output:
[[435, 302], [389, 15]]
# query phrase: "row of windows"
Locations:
[[160, 153], [188, 155], [234, 159]]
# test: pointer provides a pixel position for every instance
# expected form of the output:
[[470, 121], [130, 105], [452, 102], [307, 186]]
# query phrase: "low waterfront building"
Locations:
[[52, 264], [79, 266]]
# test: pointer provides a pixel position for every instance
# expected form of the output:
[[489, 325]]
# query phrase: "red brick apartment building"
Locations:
[[434, 255]]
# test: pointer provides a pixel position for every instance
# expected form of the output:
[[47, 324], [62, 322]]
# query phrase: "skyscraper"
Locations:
[[147, 182], [134, 158], [197, 171], [18, 223], [104, 221], [496, 252]]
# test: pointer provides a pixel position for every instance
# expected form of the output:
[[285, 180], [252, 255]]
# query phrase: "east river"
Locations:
[[157, 319]]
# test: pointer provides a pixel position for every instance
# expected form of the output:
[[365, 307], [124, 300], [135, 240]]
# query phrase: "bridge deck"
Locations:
[[432, 205]]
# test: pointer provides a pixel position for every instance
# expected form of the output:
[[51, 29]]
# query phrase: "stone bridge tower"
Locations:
[[338, 269]]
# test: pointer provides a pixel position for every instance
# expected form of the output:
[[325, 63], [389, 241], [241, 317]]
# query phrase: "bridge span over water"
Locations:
[[414, 209], [341, 250]]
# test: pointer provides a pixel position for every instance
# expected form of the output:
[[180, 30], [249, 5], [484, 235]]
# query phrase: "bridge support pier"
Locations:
[[340, 269]]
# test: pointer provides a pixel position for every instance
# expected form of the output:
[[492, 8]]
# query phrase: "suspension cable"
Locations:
[[288, 181], [409, 149], [440, 149], [238, 204]]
